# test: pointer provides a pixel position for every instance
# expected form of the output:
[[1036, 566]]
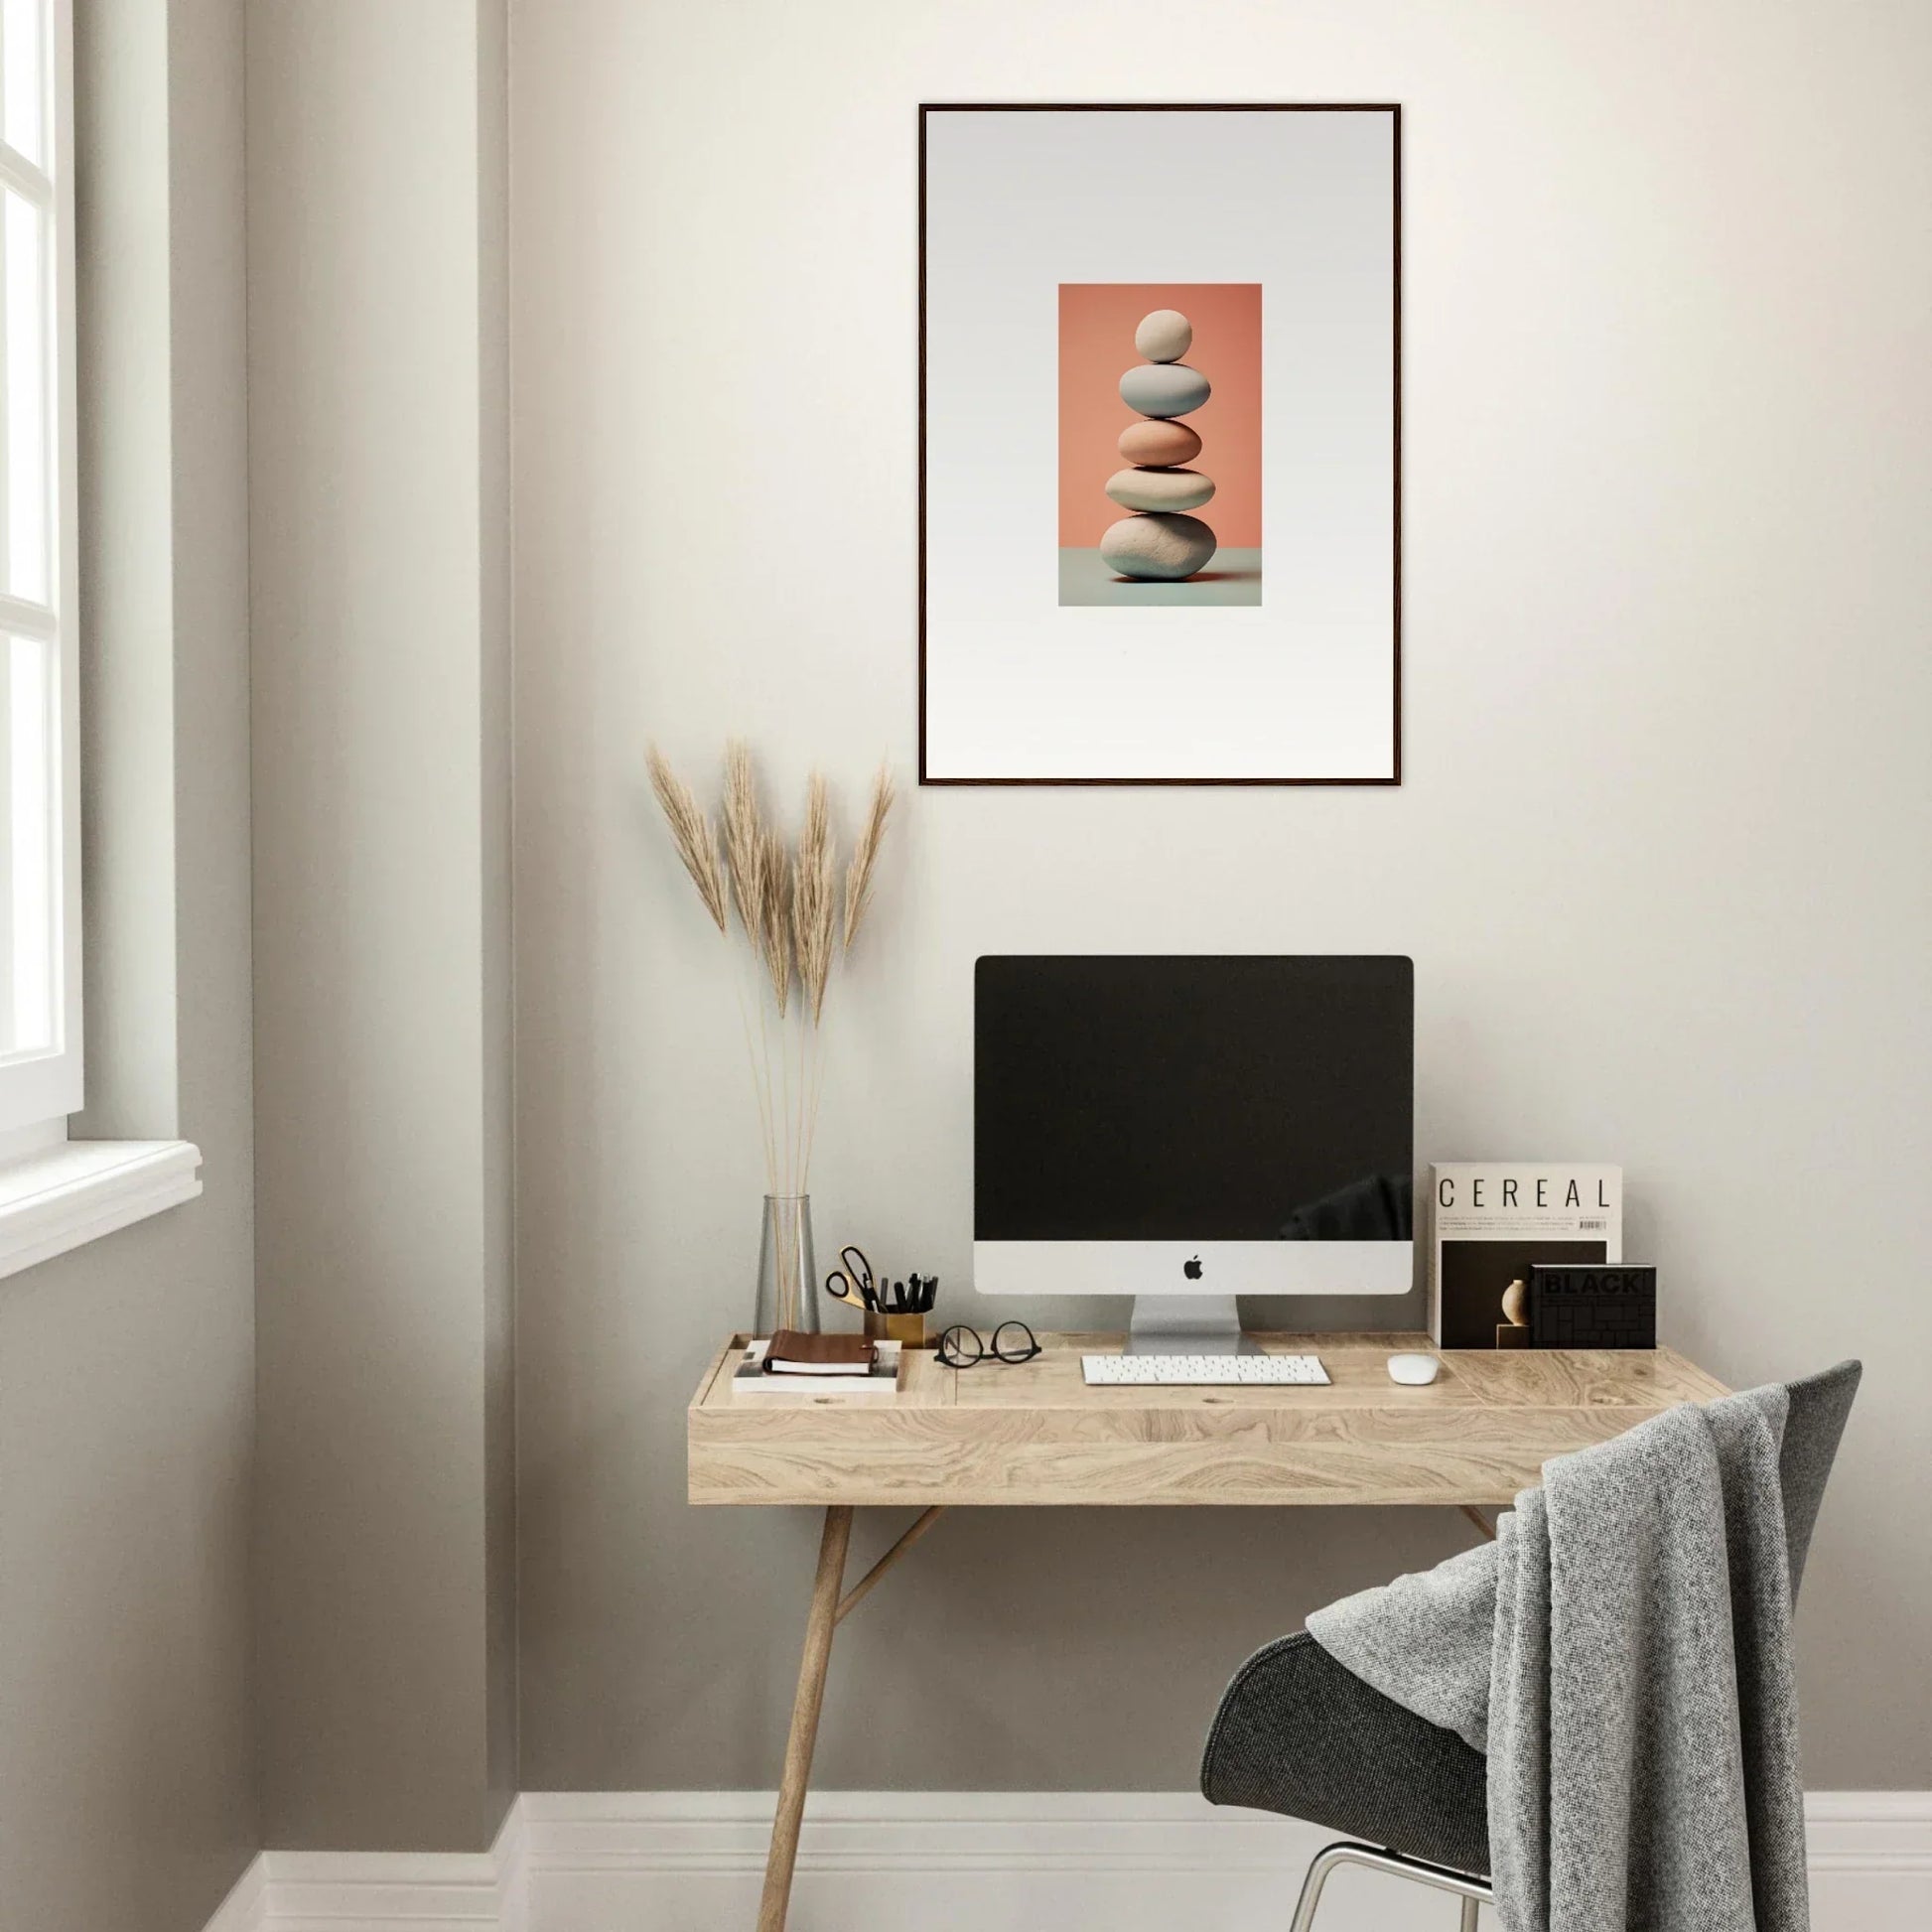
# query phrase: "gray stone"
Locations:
[[1164, 388], [1159, 490], [1157, 545], [1164, 337]]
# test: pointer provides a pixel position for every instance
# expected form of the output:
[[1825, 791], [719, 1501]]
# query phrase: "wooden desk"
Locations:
[[1033, 1435]]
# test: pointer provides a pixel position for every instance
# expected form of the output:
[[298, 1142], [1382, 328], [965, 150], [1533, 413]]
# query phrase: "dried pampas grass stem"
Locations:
[[787, 904], [743, 838], [812, 899], [865, 855], [691, 833], [774, 919]]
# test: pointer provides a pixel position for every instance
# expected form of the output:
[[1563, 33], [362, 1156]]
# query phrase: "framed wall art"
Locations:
[[1159, 445]]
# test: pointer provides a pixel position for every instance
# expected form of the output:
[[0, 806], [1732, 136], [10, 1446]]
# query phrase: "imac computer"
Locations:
[[1185, 1129]]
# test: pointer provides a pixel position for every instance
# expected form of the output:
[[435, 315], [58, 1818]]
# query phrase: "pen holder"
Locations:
[[907, 1330]]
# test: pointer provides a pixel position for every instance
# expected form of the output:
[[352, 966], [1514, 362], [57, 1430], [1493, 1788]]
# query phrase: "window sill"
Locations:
[[81, 1190]]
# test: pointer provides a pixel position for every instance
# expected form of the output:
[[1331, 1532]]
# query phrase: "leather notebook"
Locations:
[[793, 1353]]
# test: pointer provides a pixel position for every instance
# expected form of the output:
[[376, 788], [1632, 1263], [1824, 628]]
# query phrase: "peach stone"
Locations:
[[1154, 444]]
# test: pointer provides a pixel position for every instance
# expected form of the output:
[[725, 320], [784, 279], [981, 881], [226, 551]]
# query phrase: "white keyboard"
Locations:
[[1203, 1371]]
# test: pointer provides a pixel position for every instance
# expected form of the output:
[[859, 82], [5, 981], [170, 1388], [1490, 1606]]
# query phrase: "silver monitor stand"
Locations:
[[1187, 1324]]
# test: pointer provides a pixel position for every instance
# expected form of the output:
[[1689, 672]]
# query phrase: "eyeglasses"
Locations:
[[962, 1347]]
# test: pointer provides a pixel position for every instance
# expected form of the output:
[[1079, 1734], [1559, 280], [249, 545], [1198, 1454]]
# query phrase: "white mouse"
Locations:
[[1415, 1370]]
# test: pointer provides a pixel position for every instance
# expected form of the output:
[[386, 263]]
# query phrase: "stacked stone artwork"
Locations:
[[1160, 541]]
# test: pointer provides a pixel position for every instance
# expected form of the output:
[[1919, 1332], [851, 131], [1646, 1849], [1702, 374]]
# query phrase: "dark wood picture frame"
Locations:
[[1391, 108]]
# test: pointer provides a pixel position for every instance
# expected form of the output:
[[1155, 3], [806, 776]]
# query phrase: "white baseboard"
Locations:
[[386, 1891], [955, 1862], [245, 1909], [1870, 1853]]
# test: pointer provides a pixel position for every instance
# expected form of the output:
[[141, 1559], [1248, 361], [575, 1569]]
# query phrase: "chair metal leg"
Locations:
[[1324, 1863], [1472, 1891]]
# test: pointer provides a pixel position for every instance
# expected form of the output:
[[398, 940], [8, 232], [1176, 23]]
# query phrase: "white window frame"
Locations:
[[39, 1091], [54, 1192]]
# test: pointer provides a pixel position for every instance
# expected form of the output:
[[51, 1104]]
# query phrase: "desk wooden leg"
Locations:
[[856, 1595], [819, 1624]]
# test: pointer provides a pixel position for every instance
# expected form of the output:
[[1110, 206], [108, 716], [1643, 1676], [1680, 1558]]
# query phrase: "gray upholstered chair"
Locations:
[[1298, 1734]]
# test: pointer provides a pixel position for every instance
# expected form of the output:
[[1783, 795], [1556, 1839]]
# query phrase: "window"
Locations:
[[40, 857], [56, 1193]]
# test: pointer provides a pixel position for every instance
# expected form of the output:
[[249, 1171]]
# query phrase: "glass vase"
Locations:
[[787, 1272]]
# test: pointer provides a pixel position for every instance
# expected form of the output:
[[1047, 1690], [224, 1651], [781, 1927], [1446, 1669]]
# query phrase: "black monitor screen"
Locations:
[[1192, 1099]]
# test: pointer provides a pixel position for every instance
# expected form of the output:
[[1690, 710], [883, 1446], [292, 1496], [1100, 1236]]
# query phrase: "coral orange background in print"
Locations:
[[1097, 323]]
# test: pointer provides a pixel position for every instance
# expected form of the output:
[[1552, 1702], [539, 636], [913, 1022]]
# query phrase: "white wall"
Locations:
[[1660, 856]]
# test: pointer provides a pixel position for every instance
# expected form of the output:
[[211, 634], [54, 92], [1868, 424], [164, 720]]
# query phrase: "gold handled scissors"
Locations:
[[851, 1280]]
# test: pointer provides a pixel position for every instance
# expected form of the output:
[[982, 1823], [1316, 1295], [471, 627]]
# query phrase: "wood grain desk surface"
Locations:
[[1034, 1433]]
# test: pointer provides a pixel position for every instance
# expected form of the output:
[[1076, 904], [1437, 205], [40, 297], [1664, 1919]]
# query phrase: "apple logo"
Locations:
[[1191, 1269]]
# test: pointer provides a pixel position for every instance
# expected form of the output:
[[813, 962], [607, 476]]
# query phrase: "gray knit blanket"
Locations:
[[1622, 1652]]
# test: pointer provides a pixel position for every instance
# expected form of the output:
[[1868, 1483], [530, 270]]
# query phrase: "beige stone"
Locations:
[[1157, 545], [1164, 337], [1159, 490]]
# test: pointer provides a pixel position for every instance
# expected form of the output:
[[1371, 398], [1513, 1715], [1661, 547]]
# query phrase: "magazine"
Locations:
[[1490, 1220]]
